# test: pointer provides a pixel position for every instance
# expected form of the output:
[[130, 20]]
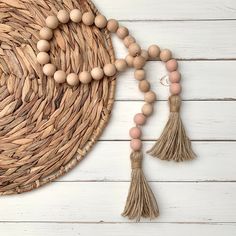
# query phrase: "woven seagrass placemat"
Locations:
[[47, 128]]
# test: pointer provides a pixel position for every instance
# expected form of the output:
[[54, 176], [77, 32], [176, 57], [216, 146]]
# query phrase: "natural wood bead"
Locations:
[[97, 73], [139, 74], [60, 76], [88, 18], [128, 40], [76, 15], [122, 32], [46, 33], [135, 132], [43, 58], [144, 54], [52, 22], [154, 51], [147, 109], [144, 86], [139, 119], [129, 60], [150, 97], [100, 21], [136, 144], [43, 45], [175, 89], [85, 77], [121, 65], [175, 77], [112, 25], [172, 65], [165, 55], [49, 69], [109, 70], [63, 16], [72, 79], [134, 49], [139, 62]]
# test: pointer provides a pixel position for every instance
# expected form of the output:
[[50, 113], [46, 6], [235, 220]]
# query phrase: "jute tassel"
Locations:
[[141, 201], [173, 143]]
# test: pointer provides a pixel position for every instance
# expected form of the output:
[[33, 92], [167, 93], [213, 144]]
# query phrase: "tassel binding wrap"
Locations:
[[141, 201], [173, 144]]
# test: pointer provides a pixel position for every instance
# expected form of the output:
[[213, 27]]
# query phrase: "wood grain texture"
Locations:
[[211, 157], [187, 39], [201, 80], [117, 229], [96, 202], [168, 10]]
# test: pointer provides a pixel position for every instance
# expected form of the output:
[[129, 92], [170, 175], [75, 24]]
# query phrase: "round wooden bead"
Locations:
[[63, 16], [112, 25], [72, 79], [52, 22], [175, 77], [175, 89], [139, 62], [153, 51], [136, 144], [100, 21], [144, 86], [144, 54], [49, 69], [147, 109], [172, 65], [139, 119], [46, 33], [135, 132], [129, 60], [139, 74], [150, 97], [60, 76], [43, 58], [165, 55], [122, 32], [109, 70], [76, 15], [43, 45], [88, 18], [121, 65], [129, 40], [85, 77], [97, 73], [134, 49]]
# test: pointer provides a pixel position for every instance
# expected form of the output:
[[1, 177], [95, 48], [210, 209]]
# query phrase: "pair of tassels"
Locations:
[[173, 144]]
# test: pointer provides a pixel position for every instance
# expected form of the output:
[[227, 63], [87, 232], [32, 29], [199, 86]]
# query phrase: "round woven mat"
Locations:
[[46, 128]]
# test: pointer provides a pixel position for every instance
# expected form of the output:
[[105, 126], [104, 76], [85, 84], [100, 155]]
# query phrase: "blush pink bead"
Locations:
[[135, 132], [136, 144], [139, 119], [172, 65], [175, 77], [175, 89]]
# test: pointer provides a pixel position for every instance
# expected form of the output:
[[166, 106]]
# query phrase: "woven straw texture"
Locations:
[[46, 128]]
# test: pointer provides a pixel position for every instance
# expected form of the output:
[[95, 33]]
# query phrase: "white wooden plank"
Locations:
[[73, 229], [187, 39], [103, 201], [203, 120], [167, 10], [97, 166], [200, 80]]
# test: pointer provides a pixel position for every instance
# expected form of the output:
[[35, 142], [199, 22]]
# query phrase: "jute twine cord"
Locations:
[[46, 128]]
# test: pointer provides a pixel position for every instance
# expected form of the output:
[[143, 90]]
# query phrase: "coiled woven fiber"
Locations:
[[47, 128]]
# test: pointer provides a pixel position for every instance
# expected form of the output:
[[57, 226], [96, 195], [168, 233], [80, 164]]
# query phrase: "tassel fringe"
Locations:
[[173, 144], [141, 201]]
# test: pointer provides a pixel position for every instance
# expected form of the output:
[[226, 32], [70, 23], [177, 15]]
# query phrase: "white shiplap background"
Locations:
[[198, 197]]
